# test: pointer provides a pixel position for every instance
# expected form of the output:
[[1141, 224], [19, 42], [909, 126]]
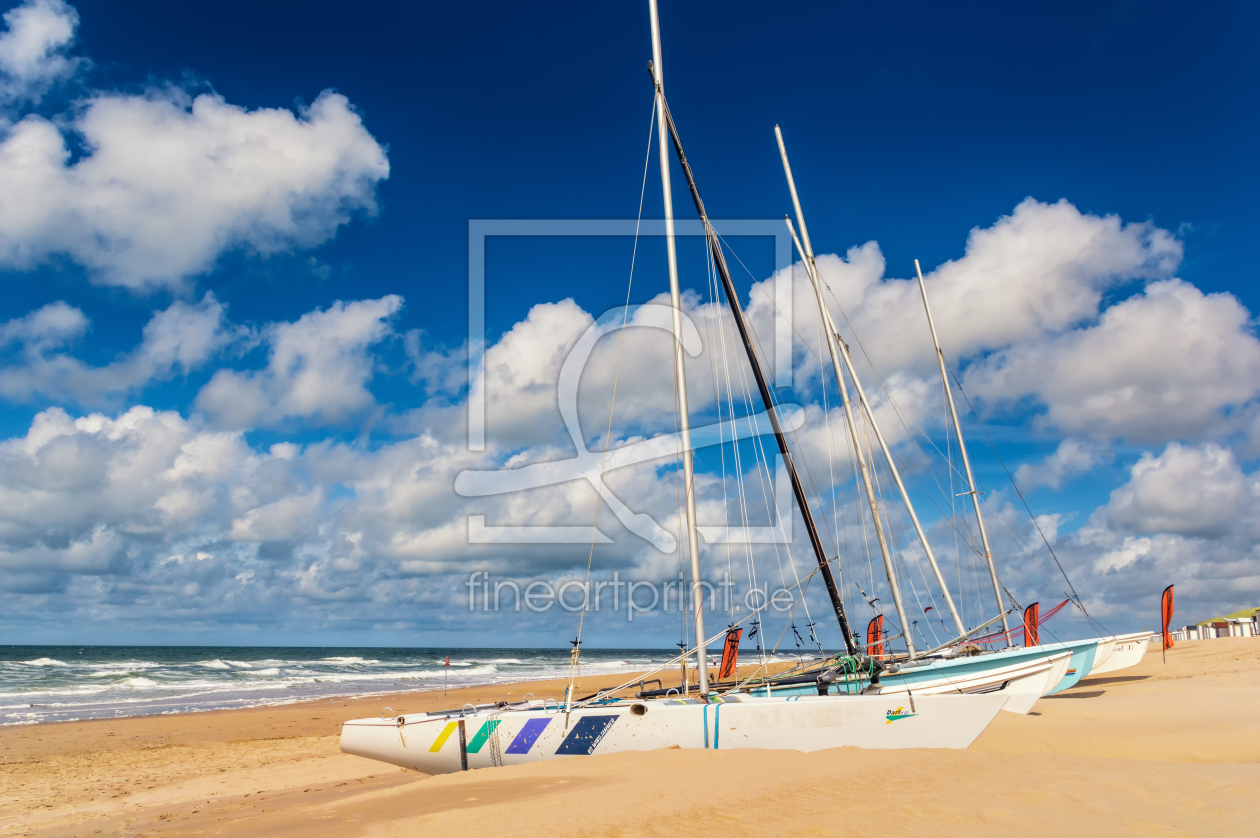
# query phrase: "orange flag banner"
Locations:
[[1166, 614], [875, 636], [730, 654], [1032, 634]]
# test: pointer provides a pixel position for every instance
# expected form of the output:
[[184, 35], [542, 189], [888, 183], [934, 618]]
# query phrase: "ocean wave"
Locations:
[[347, 677], [76, 689], [118, 666], [350, 660], [611, 665], [214, 664], [503, 660], [414, 675], [163, 680]]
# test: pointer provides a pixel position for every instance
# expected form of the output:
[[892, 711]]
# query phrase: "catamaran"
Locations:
[[514, 733], [1025, 673]]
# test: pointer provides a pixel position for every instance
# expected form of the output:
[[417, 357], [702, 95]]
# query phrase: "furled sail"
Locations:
[[875, 636], [1166, 613], [1032, 635], [730, 654]]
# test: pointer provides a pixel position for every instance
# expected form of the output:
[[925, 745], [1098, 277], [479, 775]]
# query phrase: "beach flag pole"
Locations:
[[446, 674]]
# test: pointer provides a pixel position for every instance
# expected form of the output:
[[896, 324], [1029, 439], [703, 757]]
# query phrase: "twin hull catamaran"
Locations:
[[1026, 673], [1126, 650], [1023, 674], [507, 734], [439, 743]]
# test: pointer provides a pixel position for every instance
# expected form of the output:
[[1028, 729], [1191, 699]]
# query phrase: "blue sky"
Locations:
[[319, 191]]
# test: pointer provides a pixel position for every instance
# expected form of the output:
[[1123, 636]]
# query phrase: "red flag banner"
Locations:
[[730, 654], [875, 636], [1166, 613], [1032, 633]]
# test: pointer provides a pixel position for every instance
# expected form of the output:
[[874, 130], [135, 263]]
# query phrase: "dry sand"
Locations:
[[1159, 749]]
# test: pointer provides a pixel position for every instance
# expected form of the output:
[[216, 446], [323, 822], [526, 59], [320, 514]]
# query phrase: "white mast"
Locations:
[[889, 570], [962, 448], [811, 268], [829, 329], [684, 424]]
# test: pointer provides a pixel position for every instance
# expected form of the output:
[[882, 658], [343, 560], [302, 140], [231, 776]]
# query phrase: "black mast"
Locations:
[[737, 310]]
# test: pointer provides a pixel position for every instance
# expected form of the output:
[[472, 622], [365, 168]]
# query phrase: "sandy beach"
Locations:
[[1159, 749]]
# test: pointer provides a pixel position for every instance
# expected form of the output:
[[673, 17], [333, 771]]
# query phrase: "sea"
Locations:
[[65, 683]]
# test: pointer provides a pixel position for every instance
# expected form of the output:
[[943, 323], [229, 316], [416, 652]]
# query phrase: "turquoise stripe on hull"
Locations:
[[1082, 661]]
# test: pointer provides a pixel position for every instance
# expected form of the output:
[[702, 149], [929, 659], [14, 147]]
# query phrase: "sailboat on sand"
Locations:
[[515, 733], [1025, 674]]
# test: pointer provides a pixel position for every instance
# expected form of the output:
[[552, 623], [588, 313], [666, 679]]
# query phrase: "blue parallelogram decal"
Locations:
[[586, 734], [528, 736]]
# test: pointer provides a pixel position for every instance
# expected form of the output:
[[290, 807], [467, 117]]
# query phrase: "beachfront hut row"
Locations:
[[1229, 627]]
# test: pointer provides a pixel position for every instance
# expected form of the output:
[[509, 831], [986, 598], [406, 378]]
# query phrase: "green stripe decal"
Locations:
[[474, 746]]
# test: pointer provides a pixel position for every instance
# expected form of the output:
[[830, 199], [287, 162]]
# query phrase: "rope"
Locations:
[[1008, 635], [625, 315]]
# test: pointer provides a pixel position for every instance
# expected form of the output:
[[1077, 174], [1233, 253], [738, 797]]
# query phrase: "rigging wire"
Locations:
[[763, 461], [892, 402], [761, 352], [711, 282], [625, 315], [750, 564], [1074, 595]]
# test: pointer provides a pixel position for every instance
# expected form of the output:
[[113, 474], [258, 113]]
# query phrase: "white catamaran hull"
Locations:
[[1106, 646], [1024, 680], [1022, 683], [431, 744], [1128, 650]]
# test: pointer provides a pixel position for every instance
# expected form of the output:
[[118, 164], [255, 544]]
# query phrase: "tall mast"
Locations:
[[680, 374], [812, 269], [962, 447], [830, 330], [871, 500], [737, 311]]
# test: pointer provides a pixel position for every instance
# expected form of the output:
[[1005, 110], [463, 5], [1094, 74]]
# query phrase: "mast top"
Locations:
[[658, 72]]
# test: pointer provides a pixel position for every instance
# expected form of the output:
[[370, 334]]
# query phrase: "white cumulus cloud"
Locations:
[[179, 339], [135, 500], [1186, 490], [31, 51], [1171, 362], [1040, 270], [318, 368], [170, 182], [1071, 458]]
